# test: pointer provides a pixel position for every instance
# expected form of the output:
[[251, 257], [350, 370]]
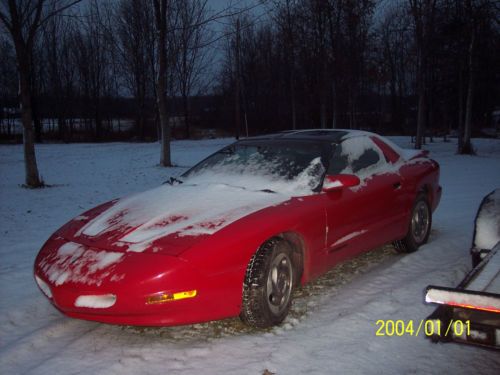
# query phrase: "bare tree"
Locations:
[[286, 20], [161, 21], [53, 51], [95, 56], [423, 12], [136, 51], [465, 146], [8, 82], [22, 19], [192, 59], [479, 13], [237, 78], [394, 59]]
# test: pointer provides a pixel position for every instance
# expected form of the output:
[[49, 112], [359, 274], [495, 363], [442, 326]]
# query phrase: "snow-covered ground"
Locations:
[[335, 334]]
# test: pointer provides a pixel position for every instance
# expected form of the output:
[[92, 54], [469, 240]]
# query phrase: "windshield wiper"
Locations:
[[173, 181], [268, 191], [226, 151]]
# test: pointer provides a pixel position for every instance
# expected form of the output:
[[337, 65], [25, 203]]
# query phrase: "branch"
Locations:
[[226, 34], [34, 26], [218, 16], [59, 10], [5, 20]]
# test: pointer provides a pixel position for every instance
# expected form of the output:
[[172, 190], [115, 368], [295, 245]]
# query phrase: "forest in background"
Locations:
[[418, 67]]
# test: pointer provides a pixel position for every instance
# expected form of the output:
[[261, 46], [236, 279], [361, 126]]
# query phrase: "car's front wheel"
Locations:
[[268, 284], [419, 227]]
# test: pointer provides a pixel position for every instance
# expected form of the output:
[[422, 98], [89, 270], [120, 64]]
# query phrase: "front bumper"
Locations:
[[129, 283]]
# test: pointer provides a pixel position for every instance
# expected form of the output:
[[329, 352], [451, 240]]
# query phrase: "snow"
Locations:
[[184, 209], [406, 152], [488, 222], [96, 302], [353, 148], [44, 287], [328, 184], [334, 334], [57, 270], [457, 298], [488, 280], [203, 204]]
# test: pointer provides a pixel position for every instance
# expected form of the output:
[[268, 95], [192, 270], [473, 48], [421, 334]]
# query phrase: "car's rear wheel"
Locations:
[[419, 227], [268, 284]]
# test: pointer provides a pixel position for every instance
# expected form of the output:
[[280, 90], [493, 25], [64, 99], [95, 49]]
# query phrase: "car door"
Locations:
[[359, 218]]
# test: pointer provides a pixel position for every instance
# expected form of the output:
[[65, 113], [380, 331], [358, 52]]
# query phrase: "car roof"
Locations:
[[329, 135]]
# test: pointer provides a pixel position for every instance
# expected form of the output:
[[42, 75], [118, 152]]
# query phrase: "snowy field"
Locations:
[[335, 334]]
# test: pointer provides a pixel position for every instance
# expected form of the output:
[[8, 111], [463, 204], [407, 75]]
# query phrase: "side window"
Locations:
[[356, 155], [368, 158], [391, 156], [338, 162]]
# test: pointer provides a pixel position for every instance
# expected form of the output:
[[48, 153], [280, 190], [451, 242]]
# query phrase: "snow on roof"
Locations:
[[339, 135]]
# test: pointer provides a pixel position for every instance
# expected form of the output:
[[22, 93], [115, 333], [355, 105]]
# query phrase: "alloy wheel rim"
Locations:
[[279, 283], [420, 222]]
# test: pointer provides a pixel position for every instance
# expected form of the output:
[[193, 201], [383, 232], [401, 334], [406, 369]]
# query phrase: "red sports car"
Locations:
[[237, 232]]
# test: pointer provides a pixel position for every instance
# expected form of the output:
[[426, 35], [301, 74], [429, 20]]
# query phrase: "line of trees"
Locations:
[[73, 61], [101, 50], [416, 66], [421, 67]]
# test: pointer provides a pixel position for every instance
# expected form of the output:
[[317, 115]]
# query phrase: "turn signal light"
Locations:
[[167, 297]]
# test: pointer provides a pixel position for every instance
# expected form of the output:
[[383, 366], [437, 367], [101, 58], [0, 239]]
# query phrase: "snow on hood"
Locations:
[[203, 204]]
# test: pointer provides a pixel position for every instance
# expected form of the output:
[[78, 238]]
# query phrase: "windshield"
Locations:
[[271, 165]]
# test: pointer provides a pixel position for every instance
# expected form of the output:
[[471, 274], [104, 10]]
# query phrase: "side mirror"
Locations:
[[338, 181]]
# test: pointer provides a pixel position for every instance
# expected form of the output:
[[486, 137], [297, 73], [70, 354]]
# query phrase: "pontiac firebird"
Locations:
[[236, 233]]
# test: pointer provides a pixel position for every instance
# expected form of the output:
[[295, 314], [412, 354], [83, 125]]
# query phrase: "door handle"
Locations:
[[396, 185]]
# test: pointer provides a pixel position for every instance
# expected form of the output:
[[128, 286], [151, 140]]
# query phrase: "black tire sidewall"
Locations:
[[255, 307], [280, 247]]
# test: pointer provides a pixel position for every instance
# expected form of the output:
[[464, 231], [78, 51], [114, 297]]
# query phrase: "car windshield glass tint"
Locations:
[[283, 160]]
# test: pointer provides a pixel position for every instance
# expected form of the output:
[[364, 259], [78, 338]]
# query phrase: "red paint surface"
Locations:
[[214, 265]]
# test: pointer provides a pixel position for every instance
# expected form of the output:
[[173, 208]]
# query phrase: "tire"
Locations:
[[419, 227], [268, 285]]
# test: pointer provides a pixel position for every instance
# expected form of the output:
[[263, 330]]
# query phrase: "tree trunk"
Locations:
[[237, 82], [422, 109], [24, 64], [161, 84], [292, 99], [164, 125], [322, 112], [30, 165], [460, 106], [423, 15], [466, 144], [37, 121], [185, 104], [422, 99], [334, 105]]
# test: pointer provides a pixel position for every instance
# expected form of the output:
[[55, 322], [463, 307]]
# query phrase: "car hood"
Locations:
[[169, 218]]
